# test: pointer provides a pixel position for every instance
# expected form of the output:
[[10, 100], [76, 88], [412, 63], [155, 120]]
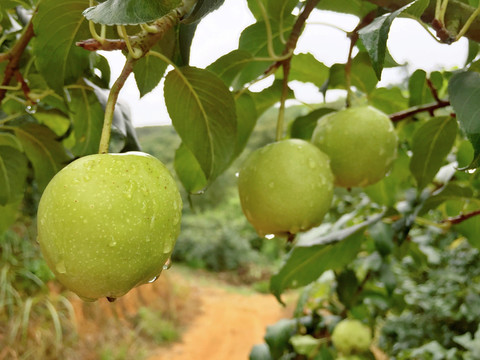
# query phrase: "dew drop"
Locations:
[[471, 171], [269, 236], [112, 243], [60, 267], [312, 163], [31, 109], [152, 280], [237, 174], [167, 265]]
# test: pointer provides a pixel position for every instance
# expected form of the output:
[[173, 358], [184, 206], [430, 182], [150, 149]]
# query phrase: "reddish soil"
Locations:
[[220, 321], [227, 326]]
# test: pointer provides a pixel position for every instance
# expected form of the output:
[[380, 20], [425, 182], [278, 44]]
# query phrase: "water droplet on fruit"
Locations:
[[147, 239], [312, 163], [269, 236], [237, 174], [152, 280], [60, 267], [167, 265], [112, 243], [152, 222], [471, 171], [31, 109]]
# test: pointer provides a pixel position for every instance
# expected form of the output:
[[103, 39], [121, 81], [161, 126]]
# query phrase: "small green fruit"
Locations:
[[351, 336], [361, 143], [109, 222], [285, 187]]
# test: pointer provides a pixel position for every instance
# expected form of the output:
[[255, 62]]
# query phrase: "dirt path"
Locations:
[[227, 326]]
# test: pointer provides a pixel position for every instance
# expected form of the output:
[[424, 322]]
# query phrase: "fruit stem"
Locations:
[[112, 100], [281, 110]]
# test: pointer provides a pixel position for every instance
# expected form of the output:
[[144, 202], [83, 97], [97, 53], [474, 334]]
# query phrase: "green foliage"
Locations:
[[388, 255]]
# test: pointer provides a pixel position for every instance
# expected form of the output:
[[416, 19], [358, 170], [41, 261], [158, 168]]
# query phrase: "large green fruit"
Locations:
[[285, 187], [361, 143], [109, 222], [351, 336]]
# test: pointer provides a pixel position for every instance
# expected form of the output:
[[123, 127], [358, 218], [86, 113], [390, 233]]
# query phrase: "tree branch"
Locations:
[[462, 217], [294, 35], [457, 14], [14, 56], [418, 109]]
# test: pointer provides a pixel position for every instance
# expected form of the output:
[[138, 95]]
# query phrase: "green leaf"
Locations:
[[430, 145], [347, 286], [202, 8], [86, 114], [307, 261], [58, 24], [260, 352], [150, 69], [275, 9], [7, 139], [246, 120], [189, 171], [278, 336], [45, 153], [303, 126], [129, 12], [362, 75], [418, 89], [305, 344], [8, 215], [254, 40], [389, 100], [13, 173], [374, 36], [464, 92], [356, 7], [203, 113], [229, 66], [269, 96], [305, 68], [451, 191]]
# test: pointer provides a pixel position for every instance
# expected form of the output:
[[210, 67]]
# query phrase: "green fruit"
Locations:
[[109, 222], [361, 143], [351, 336], [285, 187]]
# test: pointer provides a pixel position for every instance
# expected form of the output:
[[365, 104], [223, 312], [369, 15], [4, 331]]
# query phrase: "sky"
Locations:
[[218, 34]]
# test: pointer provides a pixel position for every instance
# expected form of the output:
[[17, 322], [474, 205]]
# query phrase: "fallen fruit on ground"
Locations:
[[285, 187], [361, 143], [351, 336], [108, 223]]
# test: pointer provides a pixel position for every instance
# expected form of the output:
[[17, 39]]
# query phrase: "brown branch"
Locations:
[[418, 109], [460, 218], [107, 44], [25, 87], [294, 35], [14, 56], [367, 19], [458, 12]]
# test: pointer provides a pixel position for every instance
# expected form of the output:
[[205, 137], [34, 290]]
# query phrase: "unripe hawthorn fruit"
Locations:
[[351, 336], [285, 187], [108, 223], [361, 143]]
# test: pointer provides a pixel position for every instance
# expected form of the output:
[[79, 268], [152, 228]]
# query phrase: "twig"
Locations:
[[366, 20], [462, 217], [107, 44], [294, 35], [14, 56], [418, 109]]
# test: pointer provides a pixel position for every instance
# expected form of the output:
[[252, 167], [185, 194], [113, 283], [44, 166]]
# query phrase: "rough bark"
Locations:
[[456, 15]]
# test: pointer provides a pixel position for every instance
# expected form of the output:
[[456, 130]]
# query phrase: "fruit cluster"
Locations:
[[287, 187]]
